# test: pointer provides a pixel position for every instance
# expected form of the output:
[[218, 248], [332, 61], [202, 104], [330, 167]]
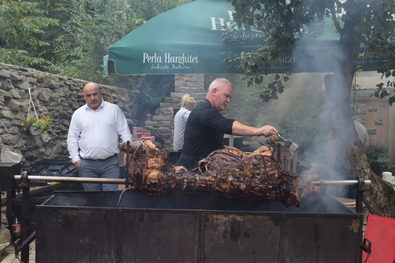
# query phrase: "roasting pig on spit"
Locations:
[[231, 173]]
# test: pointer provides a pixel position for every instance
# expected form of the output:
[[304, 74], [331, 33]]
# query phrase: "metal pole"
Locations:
[[344, 182], [40, 178], [25, 225]]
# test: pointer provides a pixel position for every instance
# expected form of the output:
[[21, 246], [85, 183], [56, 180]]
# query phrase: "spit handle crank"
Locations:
[[367, 248]]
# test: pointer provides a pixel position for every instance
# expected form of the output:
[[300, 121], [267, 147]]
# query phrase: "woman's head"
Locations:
[[188, 102]]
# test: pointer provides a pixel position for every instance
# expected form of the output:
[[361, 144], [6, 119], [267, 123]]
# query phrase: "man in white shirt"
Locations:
[[93, 138]]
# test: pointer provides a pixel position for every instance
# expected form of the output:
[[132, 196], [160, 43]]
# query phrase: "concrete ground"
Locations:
[[12, 258]]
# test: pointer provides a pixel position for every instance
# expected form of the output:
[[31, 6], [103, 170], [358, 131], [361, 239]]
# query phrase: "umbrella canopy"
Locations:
[[193, 39]]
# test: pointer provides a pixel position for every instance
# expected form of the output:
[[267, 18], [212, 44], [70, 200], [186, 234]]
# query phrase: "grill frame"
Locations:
[[88, 227]]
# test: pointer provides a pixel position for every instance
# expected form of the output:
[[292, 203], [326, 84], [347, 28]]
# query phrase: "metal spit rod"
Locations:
[[345, 182], [40, 178]]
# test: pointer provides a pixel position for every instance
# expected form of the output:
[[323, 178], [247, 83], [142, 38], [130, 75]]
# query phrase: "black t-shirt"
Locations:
[[204, 131]]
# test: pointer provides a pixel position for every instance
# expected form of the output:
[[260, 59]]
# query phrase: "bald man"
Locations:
[[205, 128], [93, 138]]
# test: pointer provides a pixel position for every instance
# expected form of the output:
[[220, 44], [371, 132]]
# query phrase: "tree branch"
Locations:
[[335, 21]]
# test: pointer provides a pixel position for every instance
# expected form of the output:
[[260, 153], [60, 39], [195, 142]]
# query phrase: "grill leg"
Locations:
[[359, 188], [25, 224]]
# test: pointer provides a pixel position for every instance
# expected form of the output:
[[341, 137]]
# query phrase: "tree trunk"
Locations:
[[380, 195], [351, 160]]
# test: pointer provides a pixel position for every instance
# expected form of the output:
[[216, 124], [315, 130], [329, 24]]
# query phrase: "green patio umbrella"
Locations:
[[192, 39]]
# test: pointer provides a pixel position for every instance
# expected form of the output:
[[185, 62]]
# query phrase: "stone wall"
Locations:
[[52, 95], [163, 119]]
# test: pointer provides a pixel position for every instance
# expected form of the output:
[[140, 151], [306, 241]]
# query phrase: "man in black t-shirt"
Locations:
[[205, 128]]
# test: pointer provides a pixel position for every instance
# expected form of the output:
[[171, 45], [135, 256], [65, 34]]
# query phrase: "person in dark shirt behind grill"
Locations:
[[205, 128]]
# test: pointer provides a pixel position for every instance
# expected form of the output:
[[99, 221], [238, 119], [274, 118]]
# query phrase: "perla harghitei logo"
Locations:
[[169, 61]]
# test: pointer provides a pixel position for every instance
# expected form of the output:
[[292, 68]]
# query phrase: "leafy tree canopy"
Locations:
[[70, 38], [22, 27], [363, 22]]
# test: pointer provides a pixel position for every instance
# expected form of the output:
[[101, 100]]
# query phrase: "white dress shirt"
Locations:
[[94, 134], [180, 121]]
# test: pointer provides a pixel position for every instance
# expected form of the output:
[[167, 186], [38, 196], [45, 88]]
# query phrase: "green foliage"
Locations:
[[22, 27], [70, 38], [378, 161], [41, 124], [385, 89], [367, 22], [21, 58], [28, 122], [91, 26], [147, 9], [273, 88], [287, 22]]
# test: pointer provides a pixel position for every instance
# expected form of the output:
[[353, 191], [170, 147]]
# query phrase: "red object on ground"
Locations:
[[381, 232]]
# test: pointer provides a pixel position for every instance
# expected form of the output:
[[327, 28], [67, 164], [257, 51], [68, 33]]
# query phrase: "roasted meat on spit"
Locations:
[[252, 178]]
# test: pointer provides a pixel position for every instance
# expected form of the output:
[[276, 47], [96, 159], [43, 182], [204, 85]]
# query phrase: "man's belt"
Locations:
[[99, 160]]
